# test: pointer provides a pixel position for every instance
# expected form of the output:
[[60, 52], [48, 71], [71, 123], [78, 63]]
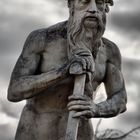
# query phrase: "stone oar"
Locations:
[[79, 86]]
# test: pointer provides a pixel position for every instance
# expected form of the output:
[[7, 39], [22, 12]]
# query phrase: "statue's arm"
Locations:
[[115, 88], [25, 82]]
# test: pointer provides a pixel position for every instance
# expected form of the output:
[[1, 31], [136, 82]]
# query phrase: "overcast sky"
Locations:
[[19, 17]]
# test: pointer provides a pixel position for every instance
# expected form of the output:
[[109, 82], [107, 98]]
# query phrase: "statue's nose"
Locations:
[[92, 7]]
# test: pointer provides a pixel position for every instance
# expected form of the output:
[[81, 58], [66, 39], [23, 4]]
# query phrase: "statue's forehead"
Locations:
[[111, 2]]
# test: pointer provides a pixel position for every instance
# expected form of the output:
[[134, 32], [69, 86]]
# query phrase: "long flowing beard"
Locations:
[[78, 36]]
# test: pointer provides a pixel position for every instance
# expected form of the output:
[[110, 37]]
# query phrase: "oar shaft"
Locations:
[[73, 123]]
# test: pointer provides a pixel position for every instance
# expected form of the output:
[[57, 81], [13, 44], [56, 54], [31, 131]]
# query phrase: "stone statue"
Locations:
[[42, 74]]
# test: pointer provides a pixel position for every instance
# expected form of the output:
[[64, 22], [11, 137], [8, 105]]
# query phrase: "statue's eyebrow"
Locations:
[[110, 2]]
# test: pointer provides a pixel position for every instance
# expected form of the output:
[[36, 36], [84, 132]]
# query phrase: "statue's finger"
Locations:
[[79, 107], [78, 102], [83, 113]]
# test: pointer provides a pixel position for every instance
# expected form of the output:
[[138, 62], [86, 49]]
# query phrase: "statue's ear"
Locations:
[[107, 8], [108, 3]]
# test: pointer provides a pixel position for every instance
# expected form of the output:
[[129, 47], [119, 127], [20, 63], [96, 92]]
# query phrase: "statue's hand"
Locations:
[[84, 58], [83, 106]]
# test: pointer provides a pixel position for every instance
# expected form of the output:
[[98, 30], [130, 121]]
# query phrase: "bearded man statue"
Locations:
[[42, 74]]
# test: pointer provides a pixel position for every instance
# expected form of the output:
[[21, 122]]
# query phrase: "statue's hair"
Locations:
[[110, 2]]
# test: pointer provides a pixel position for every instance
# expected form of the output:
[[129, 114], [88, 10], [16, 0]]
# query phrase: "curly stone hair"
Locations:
[[110, 2]]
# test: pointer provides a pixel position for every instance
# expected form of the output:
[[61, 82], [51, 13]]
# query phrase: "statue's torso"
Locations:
[[55, 97], [45, 115]]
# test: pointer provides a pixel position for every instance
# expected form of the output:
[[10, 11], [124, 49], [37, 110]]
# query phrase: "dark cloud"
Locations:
[[16, 25], [13, 30], [127, 22], [125, 17]]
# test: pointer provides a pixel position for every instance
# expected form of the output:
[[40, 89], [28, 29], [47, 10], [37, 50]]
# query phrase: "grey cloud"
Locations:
[[131, 119], [12, 38], [128, 4], [14, 29], [6, 132], [131, 68], [125, 17], [12, 110], [127, 22], [16, 25], [7, 63]]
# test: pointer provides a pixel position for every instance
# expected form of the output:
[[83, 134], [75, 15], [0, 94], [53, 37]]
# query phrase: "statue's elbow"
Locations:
[[120, 109], [13, 96]]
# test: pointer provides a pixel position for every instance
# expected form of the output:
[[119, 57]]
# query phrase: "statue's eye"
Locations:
[[99, 1], [85, 1]]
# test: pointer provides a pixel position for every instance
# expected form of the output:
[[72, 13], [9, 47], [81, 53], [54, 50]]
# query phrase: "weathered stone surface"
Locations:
[[43, 75]]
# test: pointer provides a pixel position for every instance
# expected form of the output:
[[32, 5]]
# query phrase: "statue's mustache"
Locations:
[[93, 17]]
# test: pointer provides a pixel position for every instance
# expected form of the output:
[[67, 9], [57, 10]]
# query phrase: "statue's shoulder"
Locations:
[[50, 33], [38, 39], [113, 52], [58, 30]]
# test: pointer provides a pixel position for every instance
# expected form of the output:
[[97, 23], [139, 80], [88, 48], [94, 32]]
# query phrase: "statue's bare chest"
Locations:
[[55, 56]]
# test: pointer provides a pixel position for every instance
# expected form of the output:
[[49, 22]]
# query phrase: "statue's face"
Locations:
[[93, 11], [86, 22]]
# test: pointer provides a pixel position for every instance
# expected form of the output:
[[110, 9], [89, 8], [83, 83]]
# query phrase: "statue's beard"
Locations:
[[81, 36]]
